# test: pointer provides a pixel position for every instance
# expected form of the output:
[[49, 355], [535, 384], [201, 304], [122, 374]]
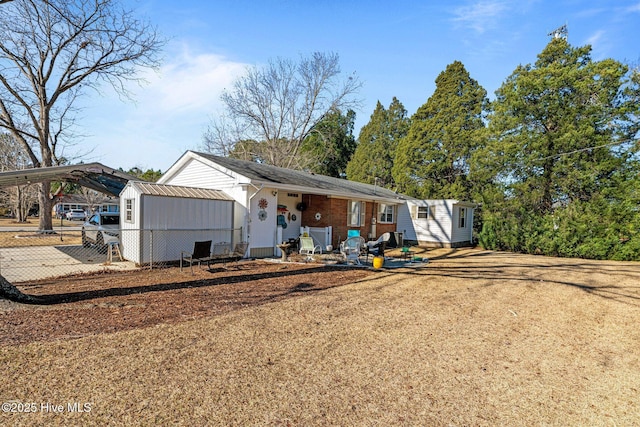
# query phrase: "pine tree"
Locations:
[[432, 161], [560, 138], [374, 156], [330, 144]]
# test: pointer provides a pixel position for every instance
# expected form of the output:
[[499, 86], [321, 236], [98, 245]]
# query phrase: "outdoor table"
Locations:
[[407, 254]]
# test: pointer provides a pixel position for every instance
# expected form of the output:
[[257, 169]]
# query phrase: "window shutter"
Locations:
[[414, 212]]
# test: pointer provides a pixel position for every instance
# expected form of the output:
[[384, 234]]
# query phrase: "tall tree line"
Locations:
[[552, 161]]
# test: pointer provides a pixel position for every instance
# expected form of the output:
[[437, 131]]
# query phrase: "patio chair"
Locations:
[[221, 250], [238, 253], [307, 248], [201, 252], [352, 248], [378, 246], [375, 248], [353, 233]]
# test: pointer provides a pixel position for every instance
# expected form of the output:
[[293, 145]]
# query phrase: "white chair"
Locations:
[[352, 248], [307, 247]]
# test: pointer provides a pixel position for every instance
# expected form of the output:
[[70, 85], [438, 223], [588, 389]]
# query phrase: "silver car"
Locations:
[[102, 228], [74, 214]]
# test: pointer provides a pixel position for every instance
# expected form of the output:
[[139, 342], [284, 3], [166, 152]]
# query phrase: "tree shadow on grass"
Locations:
[[72, 297], [497, 274]]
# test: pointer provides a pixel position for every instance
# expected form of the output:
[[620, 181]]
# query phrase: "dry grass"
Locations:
[[28, 236], [475, 338]]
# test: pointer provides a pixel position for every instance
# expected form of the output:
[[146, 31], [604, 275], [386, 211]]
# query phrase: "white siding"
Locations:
[[405, 224], [171, 217], [130, 237], [198, 174], [441, 230], [462, 234], [262, 232], [435, 230], [171, 225]]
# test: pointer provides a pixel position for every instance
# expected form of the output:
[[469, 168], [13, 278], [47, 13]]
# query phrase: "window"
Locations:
[[355, 213], [128, 210], [426, 212], [462, 223], [385, 213]]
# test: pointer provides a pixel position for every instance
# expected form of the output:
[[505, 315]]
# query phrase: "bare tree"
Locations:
[[271, 110], [20, 198], [93, 199], [51, 52]]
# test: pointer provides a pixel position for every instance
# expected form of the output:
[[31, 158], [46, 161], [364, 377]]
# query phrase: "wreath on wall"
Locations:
[[301, 206]]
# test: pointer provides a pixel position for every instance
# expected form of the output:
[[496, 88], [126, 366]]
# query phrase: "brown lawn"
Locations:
[[474, 338], [28, 235]]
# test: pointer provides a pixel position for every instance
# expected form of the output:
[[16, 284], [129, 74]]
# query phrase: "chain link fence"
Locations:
[[26, 255]]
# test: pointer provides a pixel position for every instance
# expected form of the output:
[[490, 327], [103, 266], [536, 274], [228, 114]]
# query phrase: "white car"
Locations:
[[76, 214], [101, 229]]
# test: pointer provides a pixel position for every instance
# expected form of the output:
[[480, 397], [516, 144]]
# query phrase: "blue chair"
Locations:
[[353, 233]]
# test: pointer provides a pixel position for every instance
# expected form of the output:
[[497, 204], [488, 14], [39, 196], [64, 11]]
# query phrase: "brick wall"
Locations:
[[333, 212]]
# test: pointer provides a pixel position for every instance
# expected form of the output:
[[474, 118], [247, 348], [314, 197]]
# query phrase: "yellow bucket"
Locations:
[[378, 261]]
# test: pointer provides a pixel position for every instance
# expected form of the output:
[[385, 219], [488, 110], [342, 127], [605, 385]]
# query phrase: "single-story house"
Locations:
[[63, 203], [275, 204]]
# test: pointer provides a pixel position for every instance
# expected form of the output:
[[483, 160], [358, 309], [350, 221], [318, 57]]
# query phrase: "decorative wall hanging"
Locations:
[[262, 204]]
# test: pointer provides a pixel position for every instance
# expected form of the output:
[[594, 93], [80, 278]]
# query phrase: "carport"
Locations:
[[95, 176]]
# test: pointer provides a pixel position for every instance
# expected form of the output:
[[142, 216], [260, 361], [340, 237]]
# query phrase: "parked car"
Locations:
[[101, 229], [76, 214]]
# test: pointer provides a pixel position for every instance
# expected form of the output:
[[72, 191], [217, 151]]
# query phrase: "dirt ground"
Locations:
[[473, 338]]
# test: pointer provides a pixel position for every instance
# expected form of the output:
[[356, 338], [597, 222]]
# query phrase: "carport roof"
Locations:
[[91, 175]]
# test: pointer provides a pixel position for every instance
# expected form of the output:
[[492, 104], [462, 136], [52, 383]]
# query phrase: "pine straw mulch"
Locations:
[[475, 338], [89, 304]]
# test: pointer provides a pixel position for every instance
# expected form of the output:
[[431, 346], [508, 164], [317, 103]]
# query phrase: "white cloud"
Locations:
[[481, 15], [595, 37], [189, 82], [634, 8], [169, 115]]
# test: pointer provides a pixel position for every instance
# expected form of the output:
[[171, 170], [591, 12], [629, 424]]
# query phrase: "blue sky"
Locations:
[[397, 48]]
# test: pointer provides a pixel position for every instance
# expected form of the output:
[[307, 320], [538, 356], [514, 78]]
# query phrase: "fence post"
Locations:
[[151, 249]]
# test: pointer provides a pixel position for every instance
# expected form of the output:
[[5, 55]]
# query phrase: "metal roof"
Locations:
[[304, 181], [91, 175], [153, 189]]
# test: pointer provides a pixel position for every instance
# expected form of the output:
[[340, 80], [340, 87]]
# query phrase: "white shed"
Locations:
[[437, 223], [159, 221]]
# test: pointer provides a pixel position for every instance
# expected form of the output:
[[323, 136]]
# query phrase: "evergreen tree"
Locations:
[[377, 142], [432, 161], [331, 144], [560, 137], [150, 175]]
